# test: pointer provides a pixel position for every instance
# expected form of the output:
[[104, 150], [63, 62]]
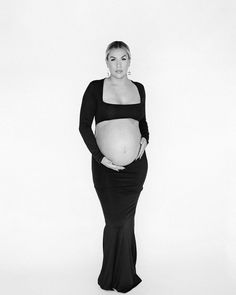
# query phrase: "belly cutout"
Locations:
[[119, 140]]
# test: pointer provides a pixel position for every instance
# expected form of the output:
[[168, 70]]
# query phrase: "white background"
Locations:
[[51, 220]]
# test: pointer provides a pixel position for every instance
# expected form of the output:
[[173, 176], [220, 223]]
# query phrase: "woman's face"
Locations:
[[118, 62]]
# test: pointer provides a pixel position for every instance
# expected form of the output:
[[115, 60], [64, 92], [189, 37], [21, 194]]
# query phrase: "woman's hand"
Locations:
[[143, 144], [108, 163]]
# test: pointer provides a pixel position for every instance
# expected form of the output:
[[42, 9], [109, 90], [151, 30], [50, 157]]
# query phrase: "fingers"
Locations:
[[108, 163], [116, 167], [119, 168], [143, 144], [141, 151], [139, 156]]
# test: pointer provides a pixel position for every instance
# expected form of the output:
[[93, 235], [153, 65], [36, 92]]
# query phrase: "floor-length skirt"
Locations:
[[118, 192]]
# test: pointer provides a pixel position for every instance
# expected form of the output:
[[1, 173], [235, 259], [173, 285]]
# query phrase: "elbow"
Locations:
[[81, 131], [81, 128]]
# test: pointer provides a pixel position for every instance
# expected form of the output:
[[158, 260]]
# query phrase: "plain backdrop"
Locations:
[[51, 221]]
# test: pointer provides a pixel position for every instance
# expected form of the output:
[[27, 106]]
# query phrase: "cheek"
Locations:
[[127, 64]]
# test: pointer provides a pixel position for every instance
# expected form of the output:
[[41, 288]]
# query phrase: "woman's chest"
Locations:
[[121, 95]]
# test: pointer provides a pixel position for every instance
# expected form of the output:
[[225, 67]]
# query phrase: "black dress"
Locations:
[[118, 191]]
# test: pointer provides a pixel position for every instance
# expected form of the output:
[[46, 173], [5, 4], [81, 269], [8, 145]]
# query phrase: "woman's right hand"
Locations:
[[108, 163]]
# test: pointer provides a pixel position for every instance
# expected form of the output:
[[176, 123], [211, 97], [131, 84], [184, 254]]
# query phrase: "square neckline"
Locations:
[[121, 104]]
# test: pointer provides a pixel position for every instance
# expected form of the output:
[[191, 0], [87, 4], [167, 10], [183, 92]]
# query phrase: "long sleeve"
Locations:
[[87, 113], [143, 126]]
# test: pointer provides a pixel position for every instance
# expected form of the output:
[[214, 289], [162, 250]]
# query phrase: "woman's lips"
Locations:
[[119, 71]]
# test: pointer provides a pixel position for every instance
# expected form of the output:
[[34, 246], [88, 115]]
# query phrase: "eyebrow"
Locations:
[[121, 56]]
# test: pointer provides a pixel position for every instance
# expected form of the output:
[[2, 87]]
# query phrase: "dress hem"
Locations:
[[139, 280]]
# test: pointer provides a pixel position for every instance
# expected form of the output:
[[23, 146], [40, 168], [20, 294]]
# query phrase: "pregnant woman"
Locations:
[[119, 163]]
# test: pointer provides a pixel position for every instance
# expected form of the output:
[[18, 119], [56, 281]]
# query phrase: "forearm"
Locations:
[[90, 141]]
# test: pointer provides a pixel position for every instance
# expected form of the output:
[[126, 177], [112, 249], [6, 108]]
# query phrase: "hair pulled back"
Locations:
[[118, 44]]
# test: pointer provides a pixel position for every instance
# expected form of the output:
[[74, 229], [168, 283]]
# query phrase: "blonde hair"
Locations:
[[118, 44]]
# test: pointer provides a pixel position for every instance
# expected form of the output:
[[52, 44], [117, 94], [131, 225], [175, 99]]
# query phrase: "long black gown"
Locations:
[[118, 191]]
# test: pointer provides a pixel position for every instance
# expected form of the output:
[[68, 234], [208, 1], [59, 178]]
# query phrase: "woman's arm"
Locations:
[[87, 113], [143, 126]]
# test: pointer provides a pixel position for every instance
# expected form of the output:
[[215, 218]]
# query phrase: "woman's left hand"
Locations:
[[143, 144]]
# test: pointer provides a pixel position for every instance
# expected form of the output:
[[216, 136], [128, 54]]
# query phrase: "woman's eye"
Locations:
[[122, 59]]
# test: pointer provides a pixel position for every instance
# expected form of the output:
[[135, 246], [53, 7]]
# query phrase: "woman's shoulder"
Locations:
[[98, 82], [140, 87], [95, 83], [138, 83]]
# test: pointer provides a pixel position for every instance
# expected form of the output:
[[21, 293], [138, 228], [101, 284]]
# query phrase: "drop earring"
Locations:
[[129, 73], [108, 74]]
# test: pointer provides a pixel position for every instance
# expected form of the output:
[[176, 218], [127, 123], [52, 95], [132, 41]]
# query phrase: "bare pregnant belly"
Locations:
[[119, 140]]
